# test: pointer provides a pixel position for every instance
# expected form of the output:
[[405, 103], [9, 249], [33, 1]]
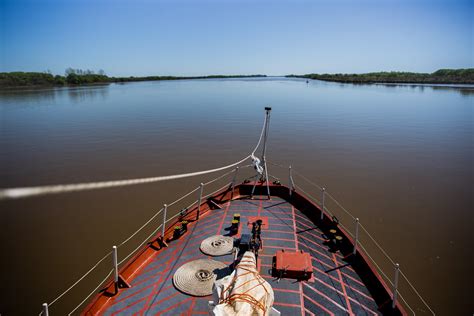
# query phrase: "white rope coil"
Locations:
[[197, 277], [217, 245]]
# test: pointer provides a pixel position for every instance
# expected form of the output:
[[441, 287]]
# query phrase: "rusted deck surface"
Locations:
[[336, 289]]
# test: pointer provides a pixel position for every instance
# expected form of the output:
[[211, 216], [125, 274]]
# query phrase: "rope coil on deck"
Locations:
[[197, 277], [217, 245]]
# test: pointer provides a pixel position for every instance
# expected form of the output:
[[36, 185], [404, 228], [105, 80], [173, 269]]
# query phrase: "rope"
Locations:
[[218, 178], [310, 196], [275, 164], [93, 291], [139, 246], [376, 265], [339, 204], [408, 305], [413, 288], [306, 179], [138, 230], [14, 193], [377, 244], [80, 279], [127, 240]]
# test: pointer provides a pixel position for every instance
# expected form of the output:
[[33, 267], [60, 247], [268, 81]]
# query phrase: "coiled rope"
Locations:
[[14, 193]]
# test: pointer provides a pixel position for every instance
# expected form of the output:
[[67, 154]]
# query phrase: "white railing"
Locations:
[[320, 201], [358, 239], [163, 226]]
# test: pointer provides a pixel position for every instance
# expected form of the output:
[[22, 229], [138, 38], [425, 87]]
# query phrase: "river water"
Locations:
[[399, 157]]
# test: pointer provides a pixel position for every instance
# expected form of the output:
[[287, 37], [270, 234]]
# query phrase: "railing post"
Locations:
[[395, 285], [323, 197], [233, 182], [201, 187], [356, 236], [235, 177], [290, 181], [45, 310], [163, 229], [116, 274]]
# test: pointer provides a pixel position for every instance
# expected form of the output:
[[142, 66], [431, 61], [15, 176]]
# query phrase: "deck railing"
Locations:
[[362, 239], [111, 262], [388, 268]]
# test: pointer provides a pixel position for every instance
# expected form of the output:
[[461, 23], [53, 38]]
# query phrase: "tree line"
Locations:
[[79, 76], [450, 76]]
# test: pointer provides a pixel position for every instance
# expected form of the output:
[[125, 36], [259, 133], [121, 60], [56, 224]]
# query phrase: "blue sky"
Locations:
[[139, 37]]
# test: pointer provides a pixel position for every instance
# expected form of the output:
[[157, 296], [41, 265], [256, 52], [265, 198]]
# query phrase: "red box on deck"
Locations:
[[291, 264]]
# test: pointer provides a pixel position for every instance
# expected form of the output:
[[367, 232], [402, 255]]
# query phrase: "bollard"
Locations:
[[45, 310], [323, 197], [199, 200], [116, 274], [356, 236], [395, 285], [163, 229]]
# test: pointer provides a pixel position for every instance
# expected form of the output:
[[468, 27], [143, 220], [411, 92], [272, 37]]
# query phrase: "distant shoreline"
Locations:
[[442, 76], [75, 78], [28, 80]]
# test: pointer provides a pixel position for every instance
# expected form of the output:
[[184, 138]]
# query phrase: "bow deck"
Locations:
[[342, 283]]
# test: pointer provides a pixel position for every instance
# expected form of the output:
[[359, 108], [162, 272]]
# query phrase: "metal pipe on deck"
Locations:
[[395, 285], [116, 272], [323, 198], [201, 187], [290, 181], [234, 179], [45, 310], [356, 236], [163, 229]]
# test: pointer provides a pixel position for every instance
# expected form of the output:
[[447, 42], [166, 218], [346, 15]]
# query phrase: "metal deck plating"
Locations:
[[342, 283]]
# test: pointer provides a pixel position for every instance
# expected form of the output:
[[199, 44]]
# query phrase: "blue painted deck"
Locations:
[[336, 292]]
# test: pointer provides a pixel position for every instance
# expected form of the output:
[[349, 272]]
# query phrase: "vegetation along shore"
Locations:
[[84, 77], [441, 76]]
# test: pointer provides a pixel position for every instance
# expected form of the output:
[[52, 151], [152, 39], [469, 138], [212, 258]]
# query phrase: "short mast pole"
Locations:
[[233, 182], [354, 251], [116, 273], [323, 197], [163, 229], [265, 136], [45, 310], [201, 187], [290, 181], [395, 285]]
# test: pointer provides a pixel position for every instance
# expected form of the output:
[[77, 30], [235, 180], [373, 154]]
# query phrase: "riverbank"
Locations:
[[442, 76], [9, 80]]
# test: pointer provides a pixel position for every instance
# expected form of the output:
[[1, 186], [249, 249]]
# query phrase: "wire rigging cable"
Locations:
[[14, 193]]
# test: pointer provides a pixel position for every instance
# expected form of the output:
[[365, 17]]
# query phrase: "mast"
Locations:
[[264, 177]]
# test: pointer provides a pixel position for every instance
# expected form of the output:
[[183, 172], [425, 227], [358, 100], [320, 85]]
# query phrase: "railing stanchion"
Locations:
[[201, 187], [395, 285], [233, 182], [290, 180], [323, 197], [163, 229], [45, 310], [116, 273], [356, 236]]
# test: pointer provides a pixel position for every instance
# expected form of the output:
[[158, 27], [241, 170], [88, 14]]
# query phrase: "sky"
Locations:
[[144, 37]]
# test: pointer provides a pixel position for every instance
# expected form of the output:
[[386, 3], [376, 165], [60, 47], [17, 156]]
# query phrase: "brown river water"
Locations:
[[399, 157]]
